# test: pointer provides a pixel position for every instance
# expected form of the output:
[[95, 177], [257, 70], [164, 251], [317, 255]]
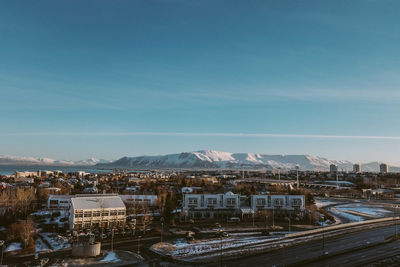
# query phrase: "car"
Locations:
[[233, 220]]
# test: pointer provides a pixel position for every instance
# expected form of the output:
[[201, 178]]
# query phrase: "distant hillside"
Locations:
[[225, 160], [32, 161]]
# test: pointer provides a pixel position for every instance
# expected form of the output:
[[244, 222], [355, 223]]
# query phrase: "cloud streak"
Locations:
[[205, 134]]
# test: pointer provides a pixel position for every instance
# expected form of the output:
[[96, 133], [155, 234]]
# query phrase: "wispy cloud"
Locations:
[[205, 134]]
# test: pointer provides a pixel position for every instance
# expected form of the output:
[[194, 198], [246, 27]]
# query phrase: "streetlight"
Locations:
[[323, 236], [112, 239], [138, 245], [288, 218], [162, 228], [2, 245], [395, 221]]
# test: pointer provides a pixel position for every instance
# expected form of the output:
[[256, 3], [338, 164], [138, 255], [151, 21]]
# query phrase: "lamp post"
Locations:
[[112, 239], [288, 218], [2, 245], [220, 249], [395, 221], [323, 236], [138, 245], [162, 228]]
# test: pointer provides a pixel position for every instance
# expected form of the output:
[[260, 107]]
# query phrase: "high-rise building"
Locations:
[[384, 168], [357, 168], [333, 168]]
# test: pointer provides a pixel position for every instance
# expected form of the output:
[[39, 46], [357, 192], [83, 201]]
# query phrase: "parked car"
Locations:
[[233, 220]]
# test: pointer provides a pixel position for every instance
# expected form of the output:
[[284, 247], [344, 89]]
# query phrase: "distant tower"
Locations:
[[384, 168], [357, 168], [333, 168], [297, 173]]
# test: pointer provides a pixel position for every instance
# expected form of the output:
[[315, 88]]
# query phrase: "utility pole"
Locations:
[[138, 245], [273, 218], [112, 239], [162, 228], [337, 180], [323, 236], [2, 245]]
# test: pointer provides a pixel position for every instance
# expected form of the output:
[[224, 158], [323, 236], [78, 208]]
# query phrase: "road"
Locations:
[[304, 254], [344, 250]]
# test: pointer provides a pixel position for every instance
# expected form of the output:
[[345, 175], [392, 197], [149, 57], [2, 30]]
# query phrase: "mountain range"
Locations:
[[32, 161], [212, 159], [203, 159]]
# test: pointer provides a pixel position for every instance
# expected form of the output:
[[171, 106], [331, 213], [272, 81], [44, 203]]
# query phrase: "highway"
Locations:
[[310, 253]]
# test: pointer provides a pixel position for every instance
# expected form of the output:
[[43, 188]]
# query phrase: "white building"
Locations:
[[384, 168], [148, 200], [210, 205], [278, 202], [96, 211], [59, 201]]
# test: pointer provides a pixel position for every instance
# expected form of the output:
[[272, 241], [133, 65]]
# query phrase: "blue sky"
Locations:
[[115, 78]]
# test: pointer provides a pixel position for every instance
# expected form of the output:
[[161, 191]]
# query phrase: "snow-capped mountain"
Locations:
[[91, 162], [32, 161], [225, 160]]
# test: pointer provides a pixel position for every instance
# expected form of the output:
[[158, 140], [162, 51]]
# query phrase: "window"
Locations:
[[260, 202], [231, 201], [104, 213], [278, 202], [193, 202], [87, 214], [296, 202], [121, 212], [113, 213], [79, 214], [96, 213], [211, 201]]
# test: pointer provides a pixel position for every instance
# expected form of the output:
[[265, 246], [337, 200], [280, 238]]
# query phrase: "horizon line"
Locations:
[[205, 134]]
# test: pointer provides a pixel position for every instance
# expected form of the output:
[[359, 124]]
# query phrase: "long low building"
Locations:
[[229, 204], [278, 202], [96, 211], [210, 205], [148, 200]]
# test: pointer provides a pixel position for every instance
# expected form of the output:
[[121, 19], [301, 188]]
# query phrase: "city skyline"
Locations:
[[96, 79]]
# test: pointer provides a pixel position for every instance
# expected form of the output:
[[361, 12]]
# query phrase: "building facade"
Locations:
[[384, 168], [278, 202], [97, 211], [333, 168], [210, 205], [357, 168], [147, 200]]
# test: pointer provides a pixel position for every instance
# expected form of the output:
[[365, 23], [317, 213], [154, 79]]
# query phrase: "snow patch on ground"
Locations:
[[320, 203], [376, 212], [111, 257], [13, 246], [350, 217], [56, 241], [40, 245]]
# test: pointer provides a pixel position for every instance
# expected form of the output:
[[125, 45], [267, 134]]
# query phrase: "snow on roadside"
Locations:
[[182, 248], [350, 217], [56, 241], [13, 246], [320, 203], [40, 245], [377, 212], [111, 257]]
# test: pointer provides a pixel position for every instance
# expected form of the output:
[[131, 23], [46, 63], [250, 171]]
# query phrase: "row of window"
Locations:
[[212, 201], [87, 214], [278, 202]]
